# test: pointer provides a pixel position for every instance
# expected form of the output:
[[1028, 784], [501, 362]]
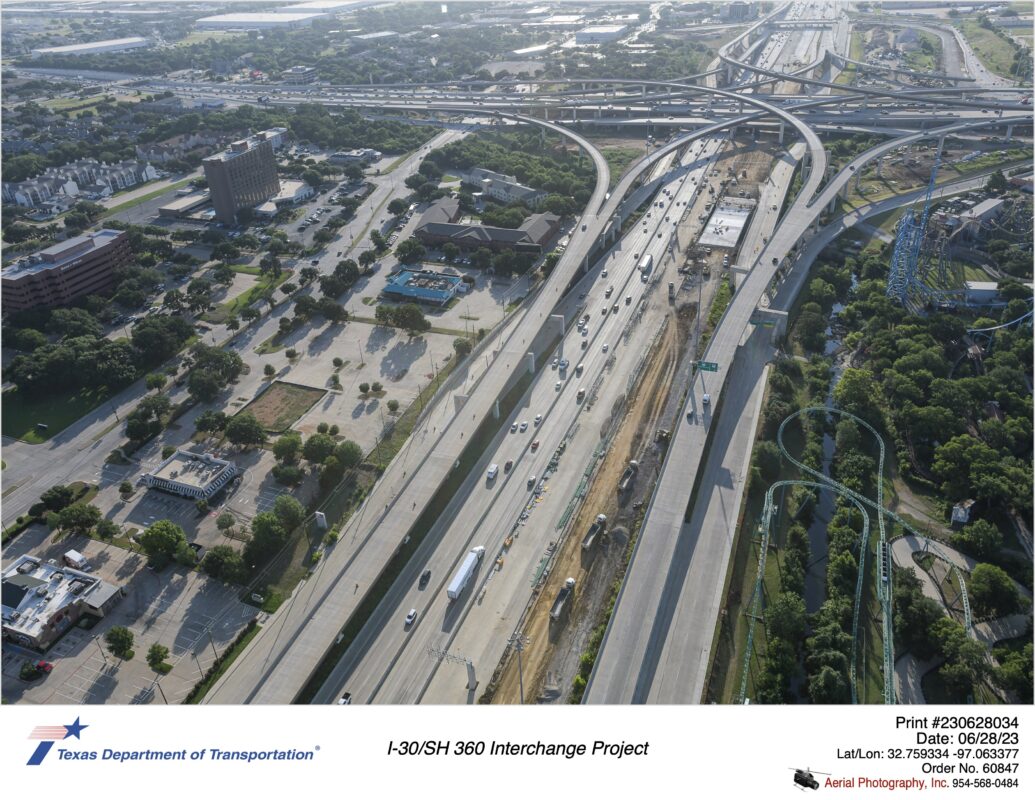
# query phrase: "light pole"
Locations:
[[103, 654]]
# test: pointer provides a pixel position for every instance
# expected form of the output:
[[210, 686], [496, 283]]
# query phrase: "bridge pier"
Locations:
[[531, 367], [496, 407], [783, 126], [574, 114], [806, 166], [1009, 132]]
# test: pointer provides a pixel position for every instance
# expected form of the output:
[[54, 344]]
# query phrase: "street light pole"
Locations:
[[519, 643], [103, 655]]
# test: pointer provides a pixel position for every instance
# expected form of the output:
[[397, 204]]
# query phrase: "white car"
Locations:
[[411, 617], [524, 425], [513, 428], [604, 348], [557, 386], [707, 399], [538, 418]]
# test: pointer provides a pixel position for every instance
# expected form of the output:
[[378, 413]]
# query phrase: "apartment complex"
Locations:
[[57, 275], [243, 176]]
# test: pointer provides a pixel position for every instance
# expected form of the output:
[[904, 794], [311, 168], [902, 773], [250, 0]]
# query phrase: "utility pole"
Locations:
[[518, 642]]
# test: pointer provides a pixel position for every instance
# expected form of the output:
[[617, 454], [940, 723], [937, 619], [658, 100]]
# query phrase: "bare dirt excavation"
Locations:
[[550, 659]]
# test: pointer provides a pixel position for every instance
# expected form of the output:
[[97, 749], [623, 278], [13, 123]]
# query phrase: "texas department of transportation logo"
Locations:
[[48, 734]]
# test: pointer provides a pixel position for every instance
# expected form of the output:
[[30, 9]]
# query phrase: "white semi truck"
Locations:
[[645, 265], [463, 575]]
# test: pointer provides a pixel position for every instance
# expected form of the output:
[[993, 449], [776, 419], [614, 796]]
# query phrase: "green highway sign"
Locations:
[[707, 366]]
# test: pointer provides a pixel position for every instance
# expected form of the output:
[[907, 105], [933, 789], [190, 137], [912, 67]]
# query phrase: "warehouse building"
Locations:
[[425, 286], [257, 21], [40, 601], [323, 6], [600, 34], [89, 48], [243, 176], [62, 272], [197, 476]]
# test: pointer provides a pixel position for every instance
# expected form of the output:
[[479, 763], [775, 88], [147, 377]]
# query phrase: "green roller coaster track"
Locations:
[[884, 572]]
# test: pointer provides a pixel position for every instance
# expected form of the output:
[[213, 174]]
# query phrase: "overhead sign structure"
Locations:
[[707, 366]]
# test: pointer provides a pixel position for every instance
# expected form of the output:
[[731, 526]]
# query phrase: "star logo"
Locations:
[[48, 734]]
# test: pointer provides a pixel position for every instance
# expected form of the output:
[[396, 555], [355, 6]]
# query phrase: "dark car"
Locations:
[[424, 578]]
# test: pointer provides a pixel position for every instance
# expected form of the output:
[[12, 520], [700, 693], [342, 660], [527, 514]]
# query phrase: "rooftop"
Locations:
[[190, 469], [61, 253], [426, 279], [34, 591], [991, 204], [321, 5], [256, 18], [71, 49], [603, 29]]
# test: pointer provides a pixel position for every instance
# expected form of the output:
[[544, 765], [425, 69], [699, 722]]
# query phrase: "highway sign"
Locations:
[[707, 366]]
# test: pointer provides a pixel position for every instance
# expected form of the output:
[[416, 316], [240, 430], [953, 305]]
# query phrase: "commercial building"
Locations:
[[39, 600], [323, 6], [376, 36], [243, 176], [62, 272], [362, 155], [738, 10], [426, 286], [504, 188], [197, 476], [300, 74], [445, 209], [985, 211], [529, 238], [291, 193], [599, 34], [88, 48], [184, 206], [257, 21]]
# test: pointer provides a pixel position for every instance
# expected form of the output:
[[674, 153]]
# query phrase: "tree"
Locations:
[[785, 617], [268, 536], [108, 529], [125, 490], [79, 518], [156, 380], [57, 497], [997, 183], [318, 447], [161, 542], [224, 563], [767, 459], [410, 318], [287, 447], [364, 387], [376, 387], [349, 454], [120, 641], [366, 258], [410, 251], [289, 511], [156, 655], [226, 522], [245, 429], [856, 393], [450, 251], [828, 686], [312, 177], [1014, 672], [307, 275], [269, 370], [288, 288], [210, 421], [393, 405], [331, 473], [462, 346], [397, 206], [991, 591], [980, 538]]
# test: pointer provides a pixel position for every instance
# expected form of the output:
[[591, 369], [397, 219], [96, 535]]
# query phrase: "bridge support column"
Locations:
[[574, 114], [531, 367], [496, 406], [643, 90], [729, 73], [783, 125], [559, 318], [585, 265], [1009, 132]]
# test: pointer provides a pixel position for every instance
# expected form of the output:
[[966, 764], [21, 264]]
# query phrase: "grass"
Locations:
[[995, 53], [618, 160], [69, 104], [145, 198], [856, 51], [280, 406], [234, 307], [926, 62], [225, 660], [203, 36], [57, 410], [269, 346]]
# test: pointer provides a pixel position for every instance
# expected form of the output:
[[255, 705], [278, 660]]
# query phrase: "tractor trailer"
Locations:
[[463, 575], [645, 265]]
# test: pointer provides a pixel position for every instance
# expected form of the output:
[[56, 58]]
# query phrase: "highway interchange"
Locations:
[[659, 639]]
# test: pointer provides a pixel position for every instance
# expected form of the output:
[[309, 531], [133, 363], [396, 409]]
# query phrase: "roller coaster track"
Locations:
[[884, 571]]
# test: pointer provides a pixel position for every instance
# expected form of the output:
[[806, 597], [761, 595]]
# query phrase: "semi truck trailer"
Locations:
[[463, 575]]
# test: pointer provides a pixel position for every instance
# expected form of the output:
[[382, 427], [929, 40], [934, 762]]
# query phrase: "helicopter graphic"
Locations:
[[804, 778]]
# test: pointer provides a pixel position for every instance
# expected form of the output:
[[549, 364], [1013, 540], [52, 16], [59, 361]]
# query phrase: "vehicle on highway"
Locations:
[[584, 343], [538, 419], [604, 348], [535, 445], [578, 369], [425, 577], [706, 399], [603, 273], [531, 481], [345, 699], [494, 470], [524, 425], [614, 308], [557, 386], [610, 291], [628, 299], [513, 428], [463, 574], [411, 617], [555, 363], [508, 465], [579, 397], [603, 311], [565, 364]]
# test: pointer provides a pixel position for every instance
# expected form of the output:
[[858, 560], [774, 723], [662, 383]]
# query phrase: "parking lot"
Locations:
[[192, 615]]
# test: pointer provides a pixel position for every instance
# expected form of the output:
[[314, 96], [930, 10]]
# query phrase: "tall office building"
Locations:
[[243, 176], [57, 275]]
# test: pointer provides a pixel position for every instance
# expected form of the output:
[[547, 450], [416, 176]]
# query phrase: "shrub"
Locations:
[[364, 388]]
